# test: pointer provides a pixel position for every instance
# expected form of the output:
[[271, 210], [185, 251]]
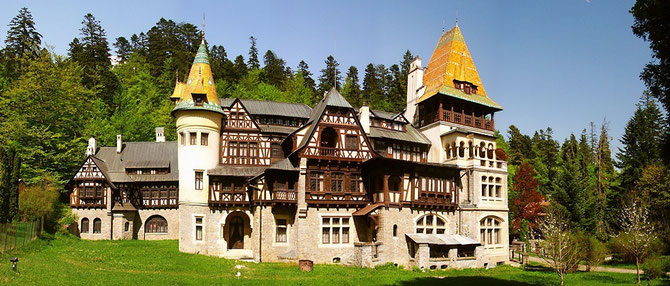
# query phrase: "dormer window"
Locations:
[[199, 99], [465, 86]]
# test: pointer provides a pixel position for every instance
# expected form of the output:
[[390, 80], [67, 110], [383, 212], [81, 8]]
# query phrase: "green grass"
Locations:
[[66, 260]]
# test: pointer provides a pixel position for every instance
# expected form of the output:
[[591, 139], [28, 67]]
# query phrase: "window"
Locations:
[[97, 225], [253, 150], [198, 180], [489, 231], [156, 224], [84, 225], [126, 227], [204, 139], [198, 228], [356, 183], [315, 181], [334, 230], [182, 138], [193, 137], [395, 230], [198, 99], [276, 150], [491, 190], [430, 224], [395, 184], [351, 142], [281, 231], [243, 149], [336, 182], [232, 149]]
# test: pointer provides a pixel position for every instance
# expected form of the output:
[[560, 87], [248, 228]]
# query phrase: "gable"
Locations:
[[238, 117], [92, 169]]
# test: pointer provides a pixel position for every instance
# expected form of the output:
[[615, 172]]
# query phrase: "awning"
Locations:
[[367, 209], [441, 239]]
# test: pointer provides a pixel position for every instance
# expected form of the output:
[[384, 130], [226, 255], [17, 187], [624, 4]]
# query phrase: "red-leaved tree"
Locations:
[[528, 204]]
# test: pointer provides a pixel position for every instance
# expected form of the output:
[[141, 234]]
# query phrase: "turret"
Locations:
[[199, 116], [414, 88]]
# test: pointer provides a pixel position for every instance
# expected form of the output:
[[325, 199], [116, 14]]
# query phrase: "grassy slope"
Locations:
[[72, 261]]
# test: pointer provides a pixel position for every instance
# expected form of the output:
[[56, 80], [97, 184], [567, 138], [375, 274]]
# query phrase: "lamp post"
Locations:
[[14, 261]]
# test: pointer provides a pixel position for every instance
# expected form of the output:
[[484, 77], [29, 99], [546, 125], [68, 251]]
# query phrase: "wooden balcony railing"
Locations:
[[444, 200], [88, 198], [337, 198], [172, 202], [285, 196], [225, 198], [480, 122], [336, 153]]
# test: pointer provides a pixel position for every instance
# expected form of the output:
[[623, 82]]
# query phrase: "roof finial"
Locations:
[[442, 25], [177, 74], [203, 27], [456, 17]]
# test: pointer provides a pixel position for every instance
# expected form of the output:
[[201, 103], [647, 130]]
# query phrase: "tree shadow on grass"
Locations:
[[538, 268], [461, 280]]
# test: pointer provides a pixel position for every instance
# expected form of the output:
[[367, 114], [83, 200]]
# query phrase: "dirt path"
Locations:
[[593, 268]]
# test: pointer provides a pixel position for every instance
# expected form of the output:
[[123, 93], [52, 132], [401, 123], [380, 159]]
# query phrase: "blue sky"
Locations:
[[561, 64]]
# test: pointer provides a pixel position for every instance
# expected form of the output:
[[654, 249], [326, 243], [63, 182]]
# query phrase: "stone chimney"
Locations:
[[414, 87], [364, 114], [119, 143], [90, 150], [160, 134]]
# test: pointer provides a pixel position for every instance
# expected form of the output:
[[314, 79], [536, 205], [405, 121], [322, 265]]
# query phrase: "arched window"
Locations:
[[461, 150], [429, 224], [83, 228], [482, 150], [490, 151], [395, 230], [471, 150], [489, 231], [97, 225], [156, 224], [329, 137], [395, 184]]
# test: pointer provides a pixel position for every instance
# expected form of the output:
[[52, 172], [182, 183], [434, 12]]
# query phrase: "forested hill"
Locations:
[[51, 104]]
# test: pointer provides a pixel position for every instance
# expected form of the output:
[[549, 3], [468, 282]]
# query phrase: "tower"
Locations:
[[199, 117]]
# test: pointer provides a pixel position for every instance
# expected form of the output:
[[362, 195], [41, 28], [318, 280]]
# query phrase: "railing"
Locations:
[[228, 198], [16, 234], [88, 199], [461, 118], [289, 196], [160, 202], [330, 152], [436, 199], [338, 198]]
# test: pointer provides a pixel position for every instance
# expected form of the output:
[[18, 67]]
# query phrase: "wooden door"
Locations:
[[236, 231]]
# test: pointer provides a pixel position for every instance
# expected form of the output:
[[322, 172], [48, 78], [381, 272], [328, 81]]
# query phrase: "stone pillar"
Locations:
[[385, 189], [301, 221], [423, 256], [117, 226]]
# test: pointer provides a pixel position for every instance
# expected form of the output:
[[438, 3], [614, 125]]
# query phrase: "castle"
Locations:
[[273, 181]]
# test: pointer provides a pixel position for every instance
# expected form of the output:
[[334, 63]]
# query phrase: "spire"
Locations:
[[203, 29], [451, 61]]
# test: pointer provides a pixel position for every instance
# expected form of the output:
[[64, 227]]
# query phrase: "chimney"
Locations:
[[160, 134], [364, 114], [414, 87], [119, 143], [90, 150]]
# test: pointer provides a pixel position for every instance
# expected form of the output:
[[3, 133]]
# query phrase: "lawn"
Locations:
[[67, 260]]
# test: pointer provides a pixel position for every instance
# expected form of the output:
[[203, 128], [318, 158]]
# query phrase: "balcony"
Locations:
[[337, 198], [88, 198], [334, 153], [285, 196], [228, 198], [480, 122], [439, 200], [170, 202]]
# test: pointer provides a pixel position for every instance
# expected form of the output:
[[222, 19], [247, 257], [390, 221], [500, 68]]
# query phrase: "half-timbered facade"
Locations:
[[273, 181]]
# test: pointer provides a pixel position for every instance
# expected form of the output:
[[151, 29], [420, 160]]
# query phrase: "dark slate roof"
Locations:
[[236, 171], [283, 165], [334, 98], [277, 129], [384, 114], [276, 108], [134, 153], [103, 168], [411, 135], [148, 164]]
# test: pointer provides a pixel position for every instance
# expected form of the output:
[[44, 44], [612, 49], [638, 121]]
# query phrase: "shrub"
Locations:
[[38, 200], [593, 251], [654, 267]]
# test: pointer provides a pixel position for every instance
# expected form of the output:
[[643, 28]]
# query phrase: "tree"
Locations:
[[652, 23], [274, 71], [641, 141], [295, 90], [527, 205], [653, 190], [569, 187], [91, 51], [330, 76], [308, 81], [604, 176], [373, 89], [637, 236], [593, 251], [351, 90], [10, 166], [123, 48], [239, 68], [560, 244], [23, 41], [253, 54]]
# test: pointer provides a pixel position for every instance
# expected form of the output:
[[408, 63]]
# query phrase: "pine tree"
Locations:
[[351, 90], [604, 176], [309, 82], [372, 86], [520, 146], [23, 41], [91, 51], [642, 142], [239, 68], [569, 187], [123, 48], [397, 89], [253, 62], [330, 76], [274, 70]]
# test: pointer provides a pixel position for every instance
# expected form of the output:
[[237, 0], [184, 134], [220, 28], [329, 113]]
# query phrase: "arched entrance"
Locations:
[[237, 224]]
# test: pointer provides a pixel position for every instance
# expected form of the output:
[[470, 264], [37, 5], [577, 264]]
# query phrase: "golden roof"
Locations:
[[199, 81], [451, 61]]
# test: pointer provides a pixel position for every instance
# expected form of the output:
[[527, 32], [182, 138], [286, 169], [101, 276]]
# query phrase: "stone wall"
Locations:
[[92, 214]]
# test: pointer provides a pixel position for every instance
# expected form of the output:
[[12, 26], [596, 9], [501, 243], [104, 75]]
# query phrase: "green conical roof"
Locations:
[[201, 57]]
